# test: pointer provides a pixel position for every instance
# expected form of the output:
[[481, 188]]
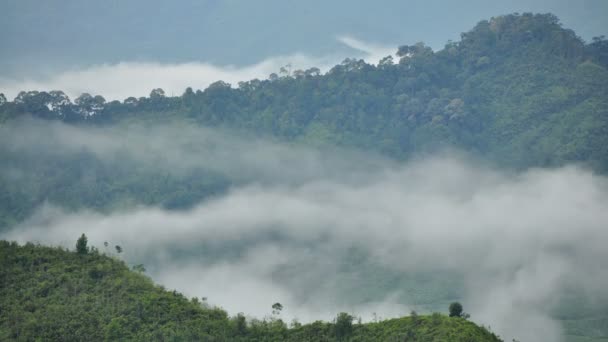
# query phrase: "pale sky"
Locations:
[[56, 35]]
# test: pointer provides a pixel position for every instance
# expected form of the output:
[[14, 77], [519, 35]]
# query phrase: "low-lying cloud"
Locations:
[[511, 244], [122, 80], [372, 52], [179, 147]]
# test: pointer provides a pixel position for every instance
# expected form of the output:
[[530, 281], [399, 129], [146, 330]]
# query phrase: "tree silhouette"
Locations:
[[455, 309], [81, 245], [344, 326], [276, 308]]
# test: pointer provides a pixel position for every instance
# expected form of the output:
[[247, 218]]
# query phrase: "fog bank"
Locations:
[[518, 241]]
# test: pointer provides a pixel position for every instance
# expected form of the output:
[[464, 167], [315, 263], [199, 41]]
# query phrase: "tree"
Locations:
[[276, 308], [37, 103], [285, 71], [139, 268], [240, 324], [158, 93], [188, 97], [298, 73], [344, 326], [2, 99], [599, 50], [118, 249], [81, 245], [59, 103], [130, 101], [386, 62], [403, 50], [312, 72], [84, 99], [455, 309], [88, 105], [415, 317]]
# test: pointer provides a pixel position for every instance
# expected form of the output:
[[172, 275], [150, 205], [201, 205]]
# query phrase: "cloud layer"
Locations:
[[180, 147], [122, 80], [327, 233]]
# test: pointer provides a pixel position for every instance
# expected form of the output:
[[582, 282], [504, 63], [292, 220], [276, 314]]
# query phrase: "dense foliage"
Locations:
[[51, 294]]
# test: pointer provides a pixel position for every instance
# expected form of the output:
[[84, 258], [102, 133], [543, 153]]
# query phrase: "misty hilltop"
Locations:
[[473, 173]]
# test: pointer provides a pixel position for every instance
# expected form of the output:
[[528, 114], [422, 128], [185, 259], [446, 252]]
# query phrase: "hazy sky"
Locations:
[[60, 34], [120, 49]]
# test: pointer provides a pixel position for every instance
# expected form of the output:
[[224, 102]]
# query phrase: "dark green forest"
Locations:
[[518, 91]]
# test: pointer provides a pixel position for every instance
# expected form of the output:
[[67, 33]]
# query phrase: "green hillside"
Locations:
[[52, 294]]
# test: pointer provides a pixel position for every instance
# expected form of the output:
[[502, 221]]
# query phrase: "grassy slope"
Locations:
[[52, 294]]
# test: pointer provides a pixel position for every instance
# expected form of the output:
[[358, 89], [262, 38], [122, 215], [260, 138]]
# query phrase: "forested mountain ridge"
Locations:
[[517, 89], [53, 294]]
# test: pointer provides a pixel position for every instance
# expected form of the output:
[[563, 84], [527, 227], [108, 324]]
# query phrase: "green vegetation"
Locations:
[[455, 309], [51, 294], [81, 245]]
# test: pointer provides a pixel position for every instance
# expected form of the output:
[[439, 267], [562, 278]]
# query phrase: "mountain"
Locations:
[[54, 294], [518, 92], [519, 89]]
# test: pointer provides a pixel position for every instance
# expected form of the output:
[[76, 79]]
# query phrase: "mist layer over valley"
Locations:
[[476, 174], [320, 229]]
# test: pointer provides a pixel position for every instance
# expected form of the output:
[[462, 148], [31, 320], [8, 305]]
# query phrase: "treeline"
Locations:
[[52, 294], [518, 89]]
